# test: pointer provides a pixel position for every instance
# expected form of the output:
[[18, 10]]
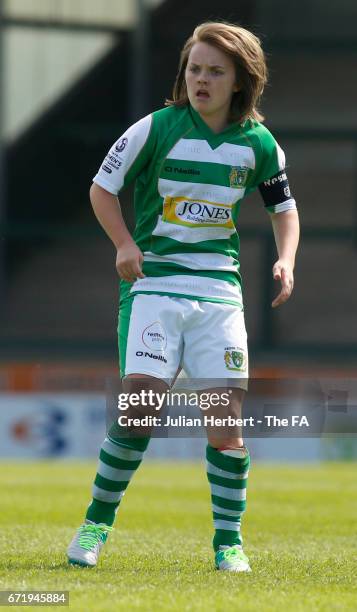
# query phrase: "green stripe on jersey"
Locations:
[[167, 246], [170, 269], [198, 172]]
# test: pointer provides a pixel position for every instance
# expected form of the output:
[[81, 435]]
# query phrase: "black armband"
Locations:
[[276, 191]]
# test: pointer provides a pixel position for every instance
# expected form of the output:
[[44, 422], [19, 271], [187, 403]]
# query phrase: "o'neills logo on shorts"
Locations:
[[197, 213]]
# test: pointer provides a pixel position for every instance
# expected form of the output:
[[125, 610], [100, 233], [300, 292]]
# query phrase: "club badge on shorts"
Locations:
[[235, 359]]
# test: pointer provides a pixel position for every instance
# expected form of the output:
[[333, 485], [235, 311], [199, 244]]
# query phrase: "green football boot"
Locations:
[[232, 559], [86, 545]]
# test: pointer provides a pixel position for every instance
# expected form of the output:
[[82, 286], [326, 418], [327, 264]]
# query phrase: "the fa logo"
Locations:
[[300, 421]]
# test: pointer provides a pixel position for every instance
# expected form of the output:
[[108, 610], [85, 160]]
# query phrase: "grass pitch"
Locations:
[[299, 530]]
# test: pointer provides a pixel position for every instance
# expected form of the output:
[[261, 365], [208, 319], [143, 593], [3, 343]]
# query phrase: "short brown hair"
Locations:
[[245, 50]]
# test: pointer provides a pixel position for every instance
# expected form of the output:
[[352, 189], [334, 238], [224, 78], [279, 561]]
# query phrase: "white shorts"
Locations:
[[159, 335]]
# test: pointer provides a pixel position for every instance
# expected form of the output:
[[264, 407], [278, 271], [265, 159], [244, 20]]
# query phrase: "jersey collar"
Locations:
[[214, 139]]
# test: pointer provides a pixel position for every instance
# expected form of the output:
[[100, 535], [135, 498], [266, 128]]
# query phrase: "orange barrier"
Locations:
[[76, 376], [56, 376]]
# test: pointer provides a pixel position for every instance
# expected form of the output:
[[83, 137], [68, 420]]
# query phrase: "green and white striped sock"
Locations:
[[119, 459], [227, 476]]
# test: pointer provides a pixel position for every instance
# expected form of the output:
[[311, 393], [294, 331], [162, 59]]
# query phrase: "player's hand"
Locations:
[[129, 262], [283, 271]]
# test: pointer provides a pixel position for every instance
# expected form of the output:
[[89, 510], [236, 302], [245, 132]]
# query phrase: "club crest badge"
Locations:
[[238, 176]]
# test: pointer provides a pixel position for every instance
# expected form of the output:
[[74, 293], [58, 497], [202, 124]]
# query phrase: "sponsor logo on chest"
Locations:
[[197, 213]]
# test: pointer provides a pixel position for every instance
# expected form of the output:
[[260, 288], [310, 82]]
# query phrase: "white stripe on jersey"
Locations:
[[199, 286], [196, 261], [122, 155], [190, 235], [200, 151], [202, 191]]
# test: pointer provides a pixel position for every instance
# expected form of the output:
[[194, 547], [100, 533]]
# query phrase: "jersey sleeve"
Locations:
[[127, 157], [270, 174]]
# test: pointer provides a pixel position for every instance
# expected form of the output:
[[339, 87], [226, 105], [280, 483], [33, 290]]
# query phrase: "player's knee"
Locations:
[[225, 443]]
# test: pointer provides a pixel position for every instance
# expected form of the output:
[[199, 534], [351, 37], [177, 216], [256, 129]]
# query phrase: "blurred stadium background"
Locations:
[[73, 75]]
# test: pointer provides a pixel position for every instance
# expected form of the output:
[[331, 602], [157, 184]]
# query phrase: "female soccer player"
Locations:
[[181, 302]]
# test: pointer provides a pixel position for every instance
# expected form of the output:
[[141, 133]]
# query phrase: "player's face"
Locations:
[[211, 82]]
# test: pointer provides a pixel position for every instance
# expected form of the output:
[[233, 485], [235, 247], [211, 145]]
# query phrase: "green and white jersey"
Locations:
[[190, 183]]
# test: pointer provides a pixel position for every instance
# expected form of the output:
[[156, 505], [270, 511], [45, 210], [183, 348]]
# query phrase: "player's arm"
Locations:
[[286, 233], [123, 163], [107, 209], [281, 206]]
